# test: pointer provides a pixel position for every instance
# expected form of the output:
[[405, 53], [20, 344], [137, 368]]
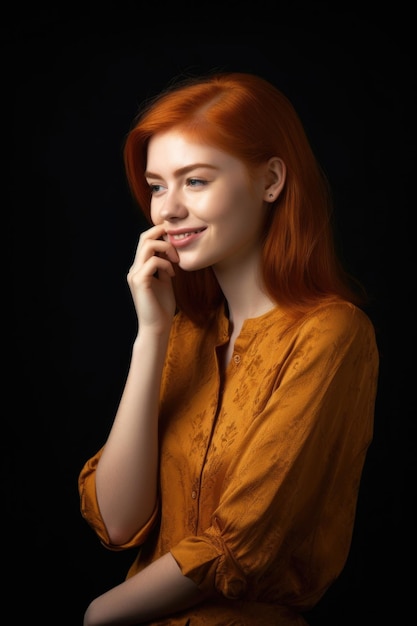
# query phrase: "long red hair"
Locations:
[[248, 117]]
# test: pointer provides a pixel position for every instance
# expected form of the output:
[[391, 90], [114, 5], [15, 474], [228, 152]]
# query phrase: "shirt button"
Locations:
[[236, 358], [193, 495]]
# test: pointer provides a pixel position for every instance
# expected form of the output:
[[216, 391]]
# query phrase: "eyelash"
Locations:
[[190, 182], [154, 188], [195, 180]]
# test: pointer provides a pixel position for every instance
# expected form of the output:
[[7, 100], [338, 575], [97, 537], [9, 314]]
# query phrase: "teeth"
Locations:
[[184, 235]]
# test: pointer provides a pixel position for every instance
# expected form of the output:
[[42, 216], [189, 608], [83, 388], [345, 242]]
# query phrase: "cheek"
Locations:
[[231, 204], [155, 218]]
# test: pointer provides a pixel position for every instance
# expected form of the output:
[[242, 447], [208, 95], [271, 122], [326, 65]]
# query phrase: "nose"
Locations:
[[170, 207]]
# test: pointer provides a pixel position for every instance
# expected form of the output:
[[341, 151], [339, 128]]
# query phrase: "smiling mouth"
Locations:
[[185, 235], [179, 236]]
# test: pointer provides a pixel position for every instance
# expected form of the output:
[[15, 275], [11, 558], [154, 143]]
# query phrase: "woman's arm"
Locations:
[[158, 590], [126, 475]]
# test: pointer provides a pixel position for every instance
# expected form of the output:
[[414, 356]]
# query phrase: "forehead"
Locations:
[[173, 149]]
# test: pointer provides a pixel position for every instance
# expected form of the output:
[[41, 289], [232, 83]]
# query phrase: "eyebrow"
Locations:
[[182, 170]]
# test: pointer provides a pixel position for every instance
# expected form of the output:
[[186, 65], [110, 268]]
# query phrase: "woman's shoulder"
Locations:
[[339, 319], [340, 311], [184, 328], [182, 324]]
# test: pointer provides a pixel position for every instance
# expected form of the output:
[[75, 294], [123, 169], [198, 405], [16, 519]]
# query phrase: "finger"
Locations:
[[148, 249], [153, 233], [150, 268], [151, 242]]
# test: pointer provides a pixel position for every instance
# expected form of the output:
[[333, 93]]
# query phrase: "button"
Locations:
[[236, 358], [193, 494]]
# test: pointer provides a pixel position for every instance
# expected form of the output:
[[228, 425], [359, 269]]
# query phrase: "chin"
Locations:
[[192, 267]]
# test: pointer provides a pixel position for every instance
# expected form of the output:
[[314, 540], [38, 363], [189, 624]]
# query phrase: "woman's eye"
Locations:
[[195, 182], [155, 188]]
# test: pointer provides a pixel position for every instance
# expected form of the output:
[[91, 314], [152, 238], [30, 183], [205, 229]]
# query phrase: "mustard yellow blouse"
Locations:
[[260, 467]]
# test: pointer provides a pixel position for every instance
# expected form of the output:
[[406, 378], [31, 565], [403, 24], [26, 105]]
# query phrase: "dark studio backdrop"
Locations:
[[71, 88]]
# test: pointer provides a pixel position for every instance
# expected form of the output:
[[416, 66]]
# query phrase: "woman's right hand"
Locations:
[[150, 280]]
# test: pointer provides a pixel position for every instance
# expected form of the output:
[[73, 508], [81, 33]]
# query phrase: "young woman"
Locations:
[[236, 453]]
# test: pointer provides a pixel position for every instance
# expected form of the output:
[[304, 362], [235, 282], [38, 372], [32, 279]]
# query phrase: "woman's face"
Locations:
[[212, 212]]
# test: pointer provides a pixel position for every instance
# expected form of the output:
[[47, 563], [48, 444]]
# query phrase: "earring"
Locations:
[[271, 195]]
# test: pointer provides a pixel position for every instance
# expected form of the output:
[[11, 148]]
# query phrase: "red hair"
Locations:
[[247, 117]]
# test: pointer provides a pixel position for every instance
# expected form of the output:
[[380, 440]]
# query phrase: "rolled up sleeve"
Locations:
[[90, 509]]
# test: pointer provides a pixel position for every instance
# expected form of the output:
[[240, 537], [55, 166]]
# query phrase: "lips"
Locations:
[[178, 236], [181, 238]]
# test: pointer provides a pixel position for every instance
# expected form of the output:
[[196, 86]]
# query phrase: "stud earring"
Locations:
[[271, 195]]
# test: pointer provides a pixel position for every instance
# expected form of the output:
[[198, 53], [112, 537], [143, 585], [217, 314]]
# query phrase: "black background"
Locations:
[[71, 87]]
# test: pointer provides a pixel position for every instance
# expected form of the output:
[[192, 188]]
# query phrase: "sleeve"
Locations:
[[91, 512], [288, 505]]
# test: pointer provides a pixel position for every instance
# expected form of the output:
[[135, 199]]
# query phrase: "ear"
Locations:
[[275, 176]]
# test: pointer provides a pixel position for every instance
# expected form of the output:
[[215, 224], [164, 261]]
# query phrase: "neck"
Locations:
[[244, 291]]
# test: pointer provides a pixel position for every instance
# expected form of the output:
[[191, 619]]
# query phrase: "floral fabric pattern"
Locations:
[[260, 464]]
